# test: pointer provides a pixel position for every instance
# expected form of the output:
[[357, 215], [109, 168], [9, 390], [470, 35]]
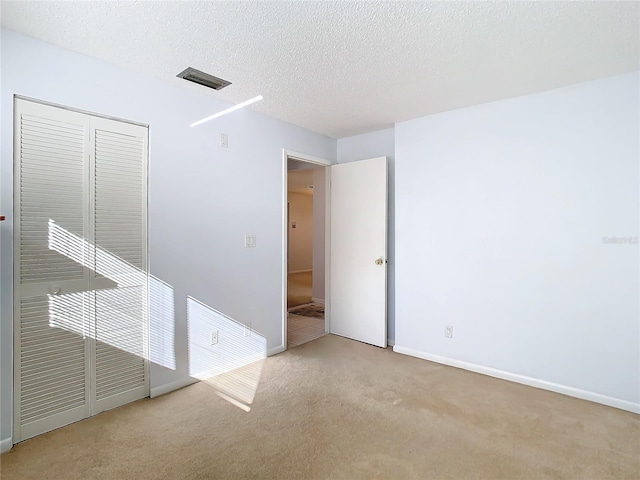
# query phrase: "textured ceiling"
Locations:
[[344, 68]]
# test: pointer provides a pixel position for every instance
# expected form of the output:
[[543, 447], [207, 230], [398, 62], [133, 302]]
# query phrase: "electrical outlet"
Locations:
[[214, 337], [247, 330], [448, 331], [224, 140]]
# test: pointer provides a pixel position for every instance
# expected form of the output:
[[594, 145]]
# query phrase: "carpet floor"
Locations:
[[339, 409]]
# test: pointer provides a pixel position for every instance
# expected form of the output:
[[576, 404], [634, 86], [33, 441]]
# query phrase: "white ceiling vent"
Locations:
[[202, 78]]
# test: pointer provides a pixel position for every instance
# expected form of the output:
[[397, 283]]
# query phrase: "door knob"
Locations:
[[54, 290], [379, 261]]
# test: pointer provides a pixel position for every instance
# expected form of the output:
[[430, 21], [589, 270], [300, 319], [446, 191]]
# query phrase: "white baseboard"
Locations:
[[318, 300], [300, 271], [6, 444], [524, 380], [170, 387], [275, 350], [390, 342]]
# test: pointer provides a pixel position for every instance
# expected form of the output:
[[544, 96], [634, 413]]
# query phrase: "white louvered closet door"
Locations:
[[52, 374], [80, 261], [119, 186]]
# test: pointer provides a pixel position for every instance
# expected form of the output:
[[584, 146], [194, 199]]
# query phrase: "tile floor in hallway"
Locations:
[[303, 329]]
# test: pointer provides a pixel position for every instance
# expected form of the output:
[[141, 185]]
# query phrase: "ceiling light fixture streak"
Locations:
[[228, 110]]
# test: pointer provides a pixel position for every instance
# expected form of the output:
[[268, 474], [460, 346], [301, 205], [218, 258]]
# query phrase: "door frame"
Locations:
[[320, 162]]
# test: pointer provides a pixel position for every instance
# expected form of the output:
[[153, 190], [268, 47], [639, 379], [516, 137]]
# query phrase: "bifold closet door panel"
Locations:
[[51, 372], [80, 232], [119, 225]]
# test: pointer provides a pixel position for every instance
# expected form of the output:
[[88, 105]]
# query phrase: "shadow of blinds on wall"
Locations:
[[87, 174]]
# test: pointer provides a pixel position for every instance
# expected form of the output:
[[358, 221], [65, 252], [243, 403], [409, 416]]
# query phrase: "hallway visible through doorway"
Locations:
[[299, 289], [305, 319], [305, 205]]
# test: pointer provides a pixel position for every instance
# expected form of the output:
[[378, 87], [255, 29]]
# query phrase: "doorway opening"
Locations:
[[305, 283], [355, 247]]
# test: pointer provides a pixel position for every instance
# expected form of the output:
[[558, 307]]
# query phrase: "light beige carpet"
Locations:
[[338, 409]]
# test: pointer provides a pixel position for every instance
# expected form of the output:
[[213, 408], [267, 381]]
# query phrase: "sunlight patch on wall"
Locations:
[[122, 313], [224, 353]]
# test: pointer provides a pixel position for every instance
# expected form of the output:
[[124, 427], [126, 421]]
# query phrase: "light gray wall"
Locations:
[[501, 210], [371, 145], [197, 218], [301, 237], [319, 204]]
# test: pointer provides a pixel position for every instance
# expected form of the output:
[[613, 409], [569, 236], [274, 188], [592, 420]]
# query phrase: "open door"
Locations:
[[358, 298]]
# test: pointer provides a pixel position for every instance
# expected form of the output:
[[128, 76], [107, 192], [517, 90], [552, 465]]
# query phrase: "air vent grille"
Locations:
[[201, 78]]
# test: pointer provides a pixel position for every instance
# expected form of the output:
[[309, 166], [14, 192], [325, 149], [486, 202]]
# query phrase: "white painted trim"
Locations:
[[317, 300], [285, 259], [78, 110], [327, 250], [390, 342], [6, 444], [301, 271], [524, 380], [171, 387], [305, 158], [275, 350]]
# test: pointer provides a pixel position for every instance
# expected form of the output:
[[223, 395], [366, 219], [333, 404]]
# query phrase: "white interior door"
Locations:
[[358, 297]]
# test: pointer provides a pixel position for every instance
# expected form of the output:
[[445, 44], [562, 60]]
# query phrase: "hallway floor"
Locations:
[[299, 289], [301, 328]]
